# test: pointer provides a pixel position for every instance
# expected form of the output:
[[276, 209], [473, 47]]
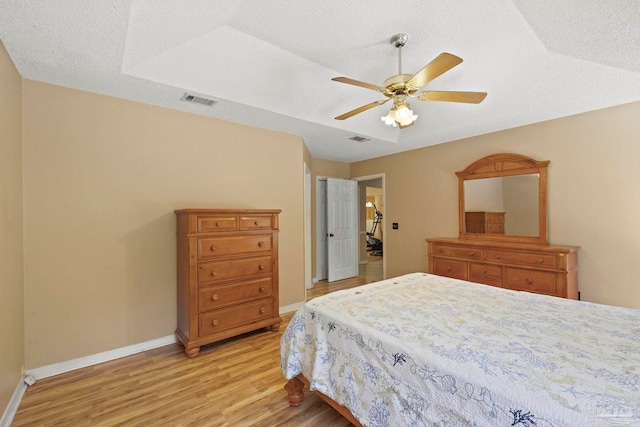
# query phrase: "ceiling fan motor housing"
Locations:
[[397, 85]]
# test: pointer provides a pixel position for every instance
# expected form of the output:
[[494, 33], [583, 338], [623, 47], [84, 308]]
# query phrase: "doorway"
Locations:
[[370, 266], [372, 226]]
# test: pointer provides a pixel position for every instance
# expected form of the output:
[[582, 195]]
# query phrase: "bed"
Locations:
[[425, 350]]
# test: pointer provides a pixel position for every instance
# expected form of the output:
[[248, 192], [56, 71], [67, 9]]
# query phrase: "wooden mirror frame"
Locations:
[[500, 165]]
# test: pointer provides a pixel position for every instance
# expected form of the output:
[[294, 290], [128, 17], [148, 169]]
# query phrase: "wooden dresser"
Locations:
[[484, 222], [227, 274], [543, 269]]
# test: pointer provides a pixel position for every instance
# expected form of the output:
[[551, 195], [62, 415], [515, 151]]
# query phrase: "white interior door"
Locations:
[[342, 240], [321, 226]]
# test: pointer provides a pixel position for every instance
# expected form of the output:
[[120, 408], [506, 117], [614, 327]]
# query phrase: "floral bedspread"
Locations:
[[425, 350]]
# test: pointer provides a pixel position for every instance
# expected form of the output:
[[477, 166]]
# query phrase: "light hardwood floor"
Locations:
[[236, 382]]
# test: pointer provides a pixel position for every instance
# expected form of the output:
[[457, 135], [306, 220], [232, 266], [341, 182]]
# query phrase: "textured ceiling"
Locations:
[[269, 63]]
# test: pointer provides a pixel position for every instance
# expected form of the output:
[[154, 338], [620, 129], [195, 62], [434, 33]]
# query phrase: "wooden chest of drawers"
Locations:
[[227, 274], [543, 269], [484, 222]]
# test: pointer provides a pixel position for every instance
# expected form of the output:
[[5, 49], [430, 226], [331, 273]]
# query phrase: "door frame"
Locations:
[[320, 275], [361, 226], [308, 282]]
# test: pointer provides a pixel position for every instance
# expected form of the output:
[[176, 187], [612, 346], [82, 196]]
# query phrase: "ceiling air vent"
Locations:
[[198, 100], [359, 139]]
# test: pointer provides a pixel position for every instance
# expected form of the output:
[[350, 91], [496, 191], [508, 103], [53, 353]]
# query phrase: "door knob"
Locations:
[[330, 234]]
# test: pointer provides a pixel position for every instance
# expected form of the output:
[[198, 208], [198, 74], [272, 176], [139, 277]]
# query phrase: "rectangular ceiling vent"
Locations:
[[359, 139], [198, 100]]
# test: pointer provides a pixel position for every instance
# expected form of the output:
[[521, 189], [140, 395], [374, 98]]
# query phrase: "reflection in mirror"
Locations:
[[502, 205]]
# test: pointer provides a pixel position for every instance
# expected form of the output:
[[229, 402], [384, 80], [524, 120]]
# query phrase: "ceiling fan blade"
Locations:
[[466, 97], [349, 81], [443, 63], [361, 109]]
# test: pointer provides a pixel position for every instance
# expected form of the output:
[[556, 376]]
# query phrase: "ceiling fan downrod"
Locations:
[[398, 41]]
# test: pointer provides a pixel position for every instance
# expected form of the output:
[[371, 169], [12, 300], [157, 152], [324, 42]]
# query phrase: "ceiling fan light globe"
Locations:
[[389, 119], [407, 121], [403, 113]]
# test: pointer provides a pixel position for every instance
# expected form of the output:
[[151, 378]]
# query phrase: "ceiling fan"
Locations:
[[403, 86]]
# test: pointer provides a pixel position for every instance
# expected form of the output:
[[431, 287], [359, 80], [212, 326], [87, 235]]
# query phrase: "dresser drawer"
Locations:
[[456, 252], [450, 268], [216, 223], [256, 223], [485, 273], [540, 282], [494, 217], [215, 247], [215, 272], [523, 258], [211, 297], [495, 228], [215, 321]]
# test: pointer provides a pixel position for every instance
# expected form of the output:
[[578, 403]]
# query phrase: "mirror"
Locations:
[[502, 205], [503, 197]]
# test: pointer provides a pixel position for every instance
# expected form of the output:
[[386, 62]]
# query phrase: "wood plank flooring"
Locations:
[[236, 382]]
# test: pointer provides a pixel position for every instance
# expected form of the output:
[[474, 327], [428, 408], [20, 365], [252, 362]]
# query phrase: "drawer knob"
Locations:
[[262, 309], [214, 322], [261, 289], [539, 260], [498, 256], [441, 250], [261, 266], [214, 273], [256, 222], [471, 254], [449, 268], [529, 281], [217, 224], [214, 297], [484, 271], [213, 248], [261, 243]]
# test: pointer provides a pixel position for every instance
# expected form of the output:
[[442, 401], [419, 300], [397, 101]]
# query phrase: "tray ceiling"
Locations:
[[269, 64]]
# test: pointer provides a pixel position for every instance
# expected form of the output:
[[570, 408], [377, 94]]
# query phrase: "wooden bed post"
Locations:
[[294, 388]]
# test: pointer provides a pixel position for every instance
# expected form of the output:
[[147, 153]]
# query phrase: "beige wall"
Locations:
[[102, 178], [521, 203], [594, 196], [11, 276], [330, 169]]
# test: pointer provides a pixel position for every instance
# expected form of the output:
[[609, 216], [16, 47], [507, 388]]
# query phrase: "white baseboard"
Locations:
[[83, 362], [14, 403], [290, 308]]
